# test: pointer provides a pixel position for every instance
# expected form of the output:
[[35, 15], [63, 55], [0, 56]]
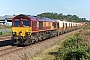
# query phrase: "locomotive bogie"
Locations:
[[21, 40]]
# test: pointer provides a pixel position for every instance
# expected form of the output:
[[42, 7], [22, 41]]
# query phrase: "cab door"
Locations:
[[34, 26]]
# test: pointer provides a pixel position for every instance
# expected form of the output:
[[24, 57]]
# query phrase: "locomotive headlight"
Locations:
[[13, 33], [28, 33]]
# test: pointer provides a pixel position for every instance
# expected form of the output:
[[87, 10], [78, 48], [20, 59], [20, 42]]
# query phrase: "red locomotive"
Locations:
[[27, 29]]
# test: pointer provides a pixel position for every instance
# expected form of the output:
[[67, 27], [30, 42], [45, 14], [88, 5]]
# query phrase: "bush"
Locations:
[[7, 26], [87, 27], [74, 48]]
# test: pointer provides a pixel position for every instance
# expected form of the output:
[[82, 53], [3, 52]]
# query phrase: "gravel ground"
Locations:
[[4, 47], [32, 50]]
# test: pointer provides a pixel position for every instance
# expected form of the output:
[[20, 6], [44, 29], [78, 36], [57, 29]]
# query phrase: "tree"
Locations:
[[71, 18]]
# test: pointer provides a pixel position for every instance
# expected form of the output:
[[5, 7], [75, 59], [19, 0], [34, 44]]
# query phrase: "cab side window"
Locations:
[[33, 23]]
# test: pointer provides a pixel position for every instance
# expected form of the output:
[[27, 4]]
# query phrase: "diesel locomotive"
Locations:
[[27, 29]]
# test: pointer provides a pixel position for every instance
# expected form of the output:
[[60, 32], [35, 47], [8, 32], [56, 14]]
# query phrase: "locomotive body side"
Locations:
[[28, 29]]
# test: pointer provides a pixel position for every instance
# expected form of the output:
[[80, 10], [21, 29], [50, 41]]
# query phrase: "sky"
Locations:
[[80, 8]]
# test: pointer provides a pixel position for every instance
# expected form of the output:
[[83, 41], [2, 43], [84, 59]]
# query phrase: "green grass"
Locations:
[[8, 26], [46, 54], [5, 33], [87, 27]]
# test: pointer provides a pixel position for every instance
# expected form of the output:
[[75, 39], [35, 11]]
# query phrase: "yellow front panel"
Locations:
[[21, 29]]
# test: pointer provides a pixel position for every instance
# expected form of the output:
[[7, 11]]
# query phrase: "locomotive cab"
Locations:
[[27, 29], [21, 29]]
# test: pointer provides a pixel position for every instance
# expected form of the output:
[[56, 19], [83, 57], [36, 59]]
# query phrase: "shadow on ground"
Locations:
[[6, 43], [53, 53]]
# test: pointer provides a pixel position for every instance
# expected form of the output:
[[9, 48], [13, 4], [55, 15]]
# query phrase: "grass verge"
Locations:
[[46, 54], [5, 33]]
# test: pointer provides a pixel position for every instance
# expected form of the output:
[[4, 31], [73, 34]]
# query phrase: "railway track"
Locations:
[[5, 37], [9, 50], [32, 48]]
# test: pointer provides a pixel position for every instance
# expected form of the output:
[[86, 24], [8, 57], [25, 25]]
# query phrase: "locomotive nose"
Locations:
[[21, 31]]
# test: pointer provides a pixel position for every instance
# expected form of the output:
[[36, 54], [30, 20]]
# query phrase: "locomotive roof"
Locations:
[[37, 17], [46, 19]]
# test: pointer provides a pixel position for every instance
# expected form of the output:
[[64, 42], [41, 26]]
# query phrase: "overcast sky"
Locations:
[[80, 8]]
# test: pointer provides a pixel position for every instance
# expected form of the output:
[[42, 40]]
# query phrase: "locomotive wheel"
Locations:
[[44, 37], [58, 33], [40, 38], [16, 42], [51, 35], [28, 41], [36, 40]]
